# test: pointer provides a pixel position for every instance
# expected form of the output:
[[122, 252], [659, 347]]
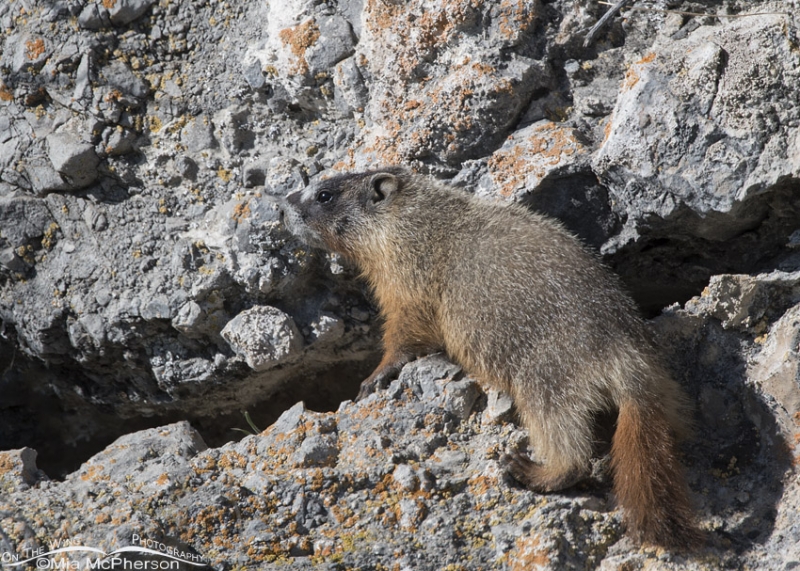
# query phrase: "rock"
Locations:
[[460, 397], [44, 178], [499, 408], [119, 13], [198, 135], [122, 12], [327, 328], [120, 76], [22, 219], [18, 470], [120, 142], [704, 141], [350, 91], [669, 145], [264, 336], [26, 52], [335, 43], [75, 160], [9, 259]]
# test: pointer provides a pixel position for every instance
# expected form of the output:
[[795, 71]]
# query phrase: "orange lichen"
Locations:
[[632, 75], [6, 465], [109, 4], [516, 16], [92, 473], [113, 95], [299, 39], [546, 147], [608, 128], [5, 93], [241, 211], [34, 48], [529, 554]]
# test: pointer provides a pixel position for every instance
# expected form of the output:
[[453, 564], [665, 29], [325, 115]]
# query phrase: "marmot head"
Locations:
[[342, 213]]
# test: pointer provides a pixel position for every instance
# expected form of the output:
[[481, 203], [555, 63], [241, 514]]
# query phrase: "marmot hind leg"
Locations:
[[565, 447], [543, 478]]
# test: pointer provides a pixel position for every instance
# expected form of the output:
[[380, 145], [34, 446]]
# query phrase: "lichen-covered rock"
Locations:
[[18, 471], [694, 128], [144, 149]]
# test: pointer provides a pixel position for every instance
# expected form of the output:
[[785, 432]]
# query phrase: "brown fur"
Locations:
[[523, 306]]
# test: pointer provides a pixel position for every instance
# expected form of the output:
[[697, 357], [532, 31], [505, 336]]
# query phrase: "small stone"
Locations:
[[120, 142], [198, 135], [460, 397], [327, 327], [317, 450], [18, 470], [334, 44], [265, 336], [75, 160], [498, 408], [190, 315], [119, 75], [405, 477], [156, 308], [10, 260], [187, 168]]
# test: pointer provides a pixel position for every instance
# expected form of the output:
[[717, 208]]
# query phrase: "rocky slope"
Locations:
[[146, 279]]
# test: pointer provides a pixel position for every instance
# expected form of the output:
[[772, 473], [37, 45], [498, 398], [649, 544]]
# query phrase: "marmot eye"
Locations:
[[324, 196]]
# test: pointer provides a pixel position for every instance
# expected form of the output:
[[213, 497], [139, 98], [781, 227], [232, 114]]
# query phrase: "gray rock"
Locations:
[[120, 142], [18, 471], [499, 408], [317, 450], [405, 477], [198, 135], [23, 218], [265, 336], [349, 89], [460, 397], [670, 145], [334, 44], [75, 160], [123, 12], [26, 52], [119, 13], [156, 308], [703, 140], [290, 419], [10, 260], [93, 17], [119, 75], [44, 178]]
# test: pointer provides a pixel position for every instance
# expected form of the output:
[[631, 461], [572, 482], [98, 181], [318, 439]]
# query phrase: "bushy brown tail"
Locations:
[[648, 479]]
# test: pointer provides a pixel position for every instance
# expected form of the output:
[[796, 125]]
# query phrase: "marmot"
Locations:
[[523, 306]]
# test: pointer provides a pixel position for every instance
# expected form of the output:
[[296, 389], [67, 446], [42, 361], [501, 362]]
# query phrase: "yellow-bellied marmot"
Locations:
[[523, 306]]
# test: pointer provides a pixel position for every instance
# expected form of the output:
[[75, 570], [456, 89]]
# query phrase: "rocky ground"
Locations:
[[149, 293]]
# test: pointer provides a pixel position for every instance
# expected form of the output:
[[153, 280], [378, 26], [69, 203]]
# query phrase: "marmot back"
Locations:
[[525, 308]]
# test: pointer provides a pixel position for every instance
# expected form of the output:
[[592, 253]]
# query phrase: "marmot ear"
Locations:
[[381, 187]]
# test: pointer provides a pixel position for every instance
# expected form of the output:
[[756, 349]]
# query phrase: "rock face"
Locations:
[[146, 278]]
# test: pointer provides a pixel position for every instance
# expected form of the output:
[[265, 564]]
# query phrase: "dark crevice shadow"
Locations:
[[67, 432], [736, 458], [672, 260]]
